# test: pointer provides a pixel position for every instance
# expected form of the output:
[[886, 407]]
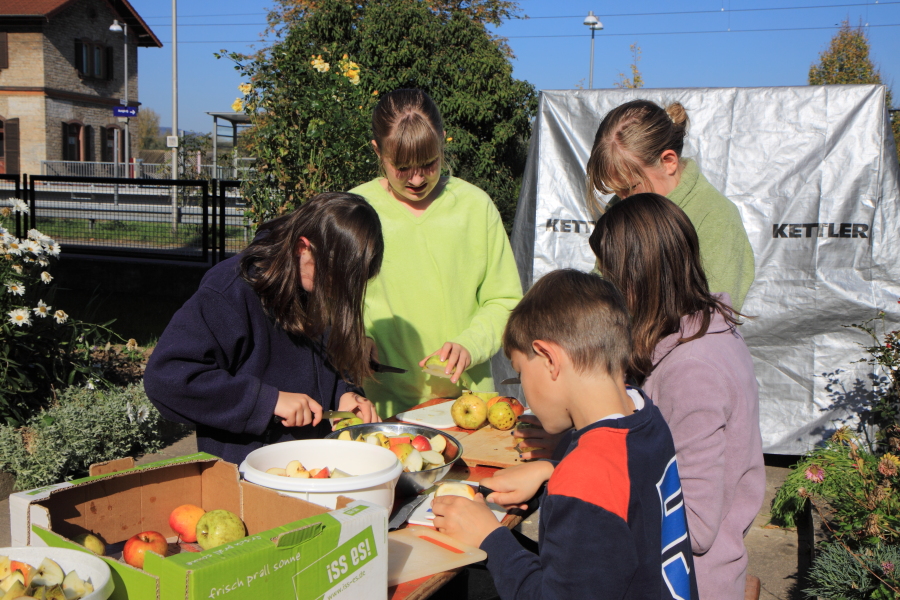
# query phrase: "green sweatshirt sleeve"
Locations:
[[497, 295]]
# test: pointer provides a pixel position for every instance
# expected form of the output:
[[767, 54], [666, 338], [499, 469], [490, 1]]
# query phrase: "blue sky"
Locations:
[[699, 43]]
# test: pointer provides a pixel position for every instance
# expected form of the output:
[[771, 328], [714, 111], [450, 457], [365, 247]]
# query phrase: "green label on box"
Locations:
[[355, 510], [337, 567]]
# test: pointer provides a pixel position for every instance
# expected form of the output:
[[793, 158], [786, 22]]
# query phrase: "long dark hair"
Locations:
[[648, 248], [407, 126], [346, 243]]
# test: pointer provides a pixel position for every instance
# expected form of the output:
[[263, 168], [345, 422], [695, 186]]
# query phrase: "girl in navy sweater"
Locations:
[[275, 335]]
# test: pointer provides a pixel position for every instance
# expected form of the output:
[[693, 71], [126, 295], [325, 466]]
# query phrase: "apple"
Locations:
[[219, 527], [514, 404], [12, 579], [75, 587], [48, 574], [347, 422], [345, 436], [400, 439], [434, 459], [91, 542], [16, 590], [296, 469], [277, 471], [26, 571], [421, 443], [337, 473], [319, 473], [4, 567], [402, 451], [469, 411], [54, 593], [437, 367], [414, 461], [438, 443], [138, 545], [455, 488], [183, 521], [501, 416]]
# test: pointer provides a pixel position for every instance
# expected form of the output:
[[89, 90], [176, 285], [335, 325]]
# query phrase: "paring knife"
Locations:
[[338, 414], [380, 368]]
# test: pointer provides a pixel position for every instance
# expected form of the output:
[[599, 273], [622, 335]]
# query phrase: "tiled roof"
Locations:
[[49, 8]]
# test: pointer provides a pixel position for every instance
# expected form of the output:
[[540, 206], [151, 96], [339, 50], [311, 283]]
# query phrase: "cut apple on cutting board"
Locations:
[[418, 551]]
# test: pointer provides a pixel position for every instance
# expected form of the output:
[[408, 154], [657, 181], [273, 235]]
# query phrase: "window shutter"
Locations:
[[4, 50], [109, 63], [104, 152], [79, 57], [12, 146], [87, 154], [65, 141]]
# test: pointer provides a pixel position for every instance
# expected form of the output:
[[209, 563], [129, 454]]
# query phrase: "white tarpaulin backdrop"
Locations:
[[814, 173]]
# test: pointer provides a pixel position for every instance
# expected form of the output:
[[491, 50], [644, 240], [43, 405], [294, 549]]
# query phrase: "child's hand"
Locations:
[[469, 521], [361, 407], [297, 410], [536, 437], [456, 356], [515, 486]]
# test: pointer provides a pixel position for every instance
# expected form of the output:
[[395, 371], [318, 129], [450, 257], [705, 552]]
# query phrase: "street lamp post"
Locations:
[[595, 25], [123, 27]]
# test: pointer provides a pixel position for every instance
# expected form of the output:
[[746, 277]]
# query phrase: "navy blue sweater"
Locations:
[[612, 521], [221, 362]]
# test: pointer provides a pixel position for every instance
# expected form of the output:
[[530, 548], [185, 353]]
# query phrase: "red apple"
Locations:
[[145, 541], [319, 473], [421, 443], [514, 404], [400, 439], [26, 569], [183, 521]]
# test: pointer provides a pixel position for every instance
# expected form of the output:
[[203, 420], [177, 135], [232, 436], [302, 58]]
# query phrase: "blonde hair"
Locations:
[[408, 129], [631, 138]]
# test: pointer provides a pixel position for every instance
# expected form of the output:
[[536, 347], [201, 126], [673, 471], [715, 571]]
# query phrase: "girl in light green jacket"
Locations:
[[637, 149], [448, 280]]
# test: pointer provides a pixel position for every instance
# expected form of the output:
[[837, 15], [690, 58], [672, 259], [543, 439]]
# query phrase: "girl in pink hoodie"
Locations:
[[690, 358]]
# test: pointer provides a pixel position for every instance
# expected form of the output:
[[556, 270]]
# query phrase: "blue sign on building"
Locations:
[[125, 111]]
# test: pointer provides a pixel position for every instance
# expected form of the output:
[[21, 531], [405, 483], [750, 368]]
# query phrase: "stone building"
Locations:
[[61, 73]]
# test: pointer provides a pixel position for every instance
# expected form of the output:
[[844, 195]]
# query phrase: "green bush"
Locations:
[[82, 427], [871, 574]]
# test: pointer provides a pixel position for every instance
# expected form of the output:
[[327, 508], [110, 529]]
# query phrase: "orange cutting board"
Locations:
[[492, 448]]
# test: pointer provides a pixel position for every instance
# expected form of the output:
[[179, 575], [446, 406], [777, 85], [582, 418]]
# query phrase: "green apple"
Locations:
[[501, 416], [219, 527], [437, 367], [91, 542], [469, 411], [347, 422]]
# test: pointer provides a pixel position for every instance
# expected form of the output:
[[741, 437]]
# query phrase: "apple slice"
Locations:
[[318, 473], [4, 567], [336, 473], [294, 469], [438, 443], [74, 586], [421, 443], [48, 574], [15, 576], [277, 471], [345, 436], [433, 458], [25, 569], [455, 488], [55, 593], [413, 462], [400, 439], [16, 590]]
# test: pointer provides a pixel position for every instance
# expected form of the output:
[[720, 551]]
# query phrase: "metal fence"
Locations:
[[178, 220], [190, 169]]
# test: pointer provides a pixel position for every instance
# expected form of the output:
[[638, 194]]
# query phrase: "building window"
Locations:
[[72, 141], [9, 146], [93, 59], [112, 145]]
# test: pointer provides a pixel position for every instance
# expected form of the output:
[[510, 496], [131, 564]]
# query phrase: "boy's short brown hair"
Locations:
[[582, 313]]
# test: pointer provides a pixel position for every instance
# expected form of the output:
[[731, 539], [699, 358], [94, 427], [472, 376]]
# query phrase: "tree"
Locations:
[[149, 137], [312, 95], [847, 61], [636, 80]]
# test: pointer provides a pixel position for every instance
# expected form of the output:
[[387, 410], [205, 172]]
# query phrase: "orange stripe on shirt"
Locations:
[[596, 471]]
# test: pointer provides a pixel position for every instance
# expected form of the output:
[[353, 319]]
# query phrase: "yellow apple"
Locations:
[[469, 411]]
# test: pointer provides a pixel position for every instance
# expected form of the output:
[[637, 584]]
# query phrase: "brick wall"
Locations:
[[30, 112], [26, 60]]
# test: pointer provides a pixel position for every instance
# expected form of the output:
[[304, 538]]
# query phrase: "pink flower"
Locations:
[[887, 567], [815, 473]]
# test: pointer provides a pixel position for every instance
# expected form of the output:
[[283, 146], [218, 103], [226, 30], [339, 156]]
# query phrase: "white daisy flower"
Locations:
[[142, 414], [90, 384], [14, 246], [41, 310], [34, 234], [129, 412], [46, 277], [17, 269], [19, 317], [3, 230], [52, 249], [60, 316], [15, 288], [32, 246], [43, 262], [19, 205], [27, 259]]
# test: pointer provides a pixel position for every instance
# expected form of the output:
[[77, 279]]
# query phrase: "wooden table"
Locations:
[[420, 589]]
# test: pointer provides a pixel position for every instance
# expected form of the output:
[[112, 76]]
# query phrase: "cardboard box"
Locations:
[[294, 549]]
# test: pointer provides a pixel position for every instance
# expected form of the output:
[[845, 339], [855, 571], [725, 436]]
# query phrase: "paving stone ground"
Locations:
[[773, 551]]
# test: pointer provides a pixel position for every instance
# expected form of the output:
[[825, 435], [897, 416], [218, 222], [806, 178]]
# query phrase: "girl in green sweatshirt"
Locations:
[[638, 149], [448, 280]]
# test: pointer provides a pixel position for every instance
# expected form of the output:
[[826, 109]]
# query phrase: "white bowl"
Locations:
[[86, 564], [375, 470]]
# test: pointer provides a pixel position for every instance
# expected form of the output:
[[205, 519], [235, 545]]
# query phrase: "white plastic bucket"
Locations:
[[375, 470]]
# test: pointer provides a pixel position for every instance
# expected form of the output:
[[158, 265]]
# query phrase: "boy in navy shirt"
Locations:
[[612, 515]]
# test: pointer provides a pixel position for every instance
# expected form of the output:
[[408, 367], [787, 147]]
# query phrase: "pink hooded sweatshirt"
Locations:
[[707, 393]]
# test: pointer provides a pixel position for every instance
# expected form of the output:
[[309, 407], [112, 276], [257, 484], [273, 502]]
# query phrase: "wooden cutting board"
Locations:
[[418, 551], [491, 447]]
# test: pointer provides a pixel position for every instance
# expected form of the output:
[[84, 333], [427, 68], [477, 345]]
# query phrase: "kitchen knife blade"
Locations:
[[338, 414], [380, 368], [511, 381]]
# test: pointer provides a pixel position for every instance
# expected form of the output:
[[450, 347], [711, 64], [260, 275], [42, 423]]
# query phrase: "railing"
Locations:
[[161, 219], [142, 170]]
